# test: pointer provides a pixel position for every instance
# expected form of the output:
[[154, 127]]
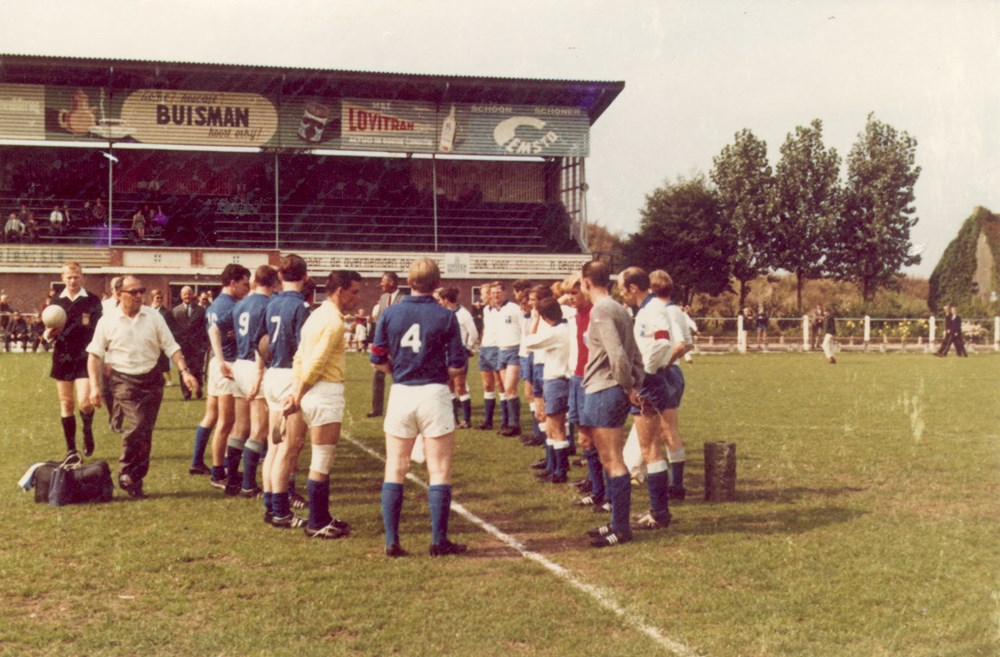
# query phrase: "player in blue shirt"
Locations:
[[249, 318], [419, 343], [222, 337], [286, 313]]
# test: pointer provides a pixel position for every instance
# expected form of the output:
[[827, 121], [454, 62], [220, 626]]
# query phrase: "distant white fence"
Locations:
[[866, 333]]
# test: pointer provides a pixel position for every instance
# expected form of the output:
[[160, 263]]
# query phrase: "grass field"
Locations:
[[866, 525]]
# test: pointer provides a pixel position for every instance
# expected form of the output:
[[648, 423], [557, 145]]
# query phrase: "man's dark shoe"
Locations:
[[373, 414], [446, 548], [676, 493], [231, 490], [484, 426], [539, 464], [395, 552], [200, 469], [291, 521], [584, 485], [252, 493], [610, 539]]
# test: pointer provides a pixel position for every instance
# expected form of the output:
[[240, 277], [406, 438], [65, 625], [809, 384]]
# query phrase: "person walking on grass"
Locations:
[[129, 341]]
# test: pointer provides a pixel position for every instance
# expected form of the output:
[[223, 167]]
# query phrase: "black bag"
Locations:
[[74, 482]]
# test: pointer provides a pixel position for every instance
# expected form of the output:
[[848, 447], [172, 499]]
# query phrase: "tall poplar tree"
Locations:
[[872, 240], [745, 184], [807, 200]]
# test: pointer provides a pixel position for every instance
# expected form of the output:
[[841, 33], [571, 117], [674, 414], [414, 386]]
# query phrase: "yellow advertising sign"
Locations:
[[204, 118]]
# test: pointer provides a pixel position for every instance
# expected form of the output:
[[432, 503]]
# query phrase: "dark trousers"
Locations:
[[960, 346], [195, 361], [137, 400], [946, 345], [378, 393]]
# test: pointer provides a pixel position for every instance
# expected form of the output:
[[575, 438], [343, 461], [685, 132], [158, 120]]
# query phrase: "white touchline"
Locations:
[[602, 597]]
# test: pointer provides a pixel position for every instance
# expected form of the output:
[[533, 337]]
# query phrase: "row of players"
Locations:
[[420, 344]]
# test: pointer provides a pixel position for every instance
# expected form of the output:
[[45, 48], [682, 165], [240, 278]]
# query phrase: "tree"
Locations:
[[807, 200], [682, 232], [744, 181], [872, 237]]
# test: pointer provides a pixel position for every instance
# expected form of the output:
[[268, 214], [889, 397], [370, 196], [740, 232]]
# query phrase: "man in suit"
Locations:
[[953, 334], [391, 295], [192, 337]]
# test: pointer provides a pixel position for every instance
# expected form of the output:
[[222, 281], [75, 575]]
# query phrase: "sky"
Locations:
[[695, 72]]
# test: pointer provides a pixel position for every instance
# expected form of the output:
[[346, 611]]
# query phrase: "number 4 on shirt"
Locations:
[[411, 339]]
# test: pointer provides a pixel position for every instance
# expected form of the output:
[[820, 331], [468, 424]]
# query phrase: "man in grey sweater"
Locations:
[[611, 380]]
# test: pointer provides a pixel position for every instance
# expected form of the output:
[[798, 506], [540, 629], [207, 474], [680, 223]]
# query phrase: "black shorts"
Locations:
[[69, 367]]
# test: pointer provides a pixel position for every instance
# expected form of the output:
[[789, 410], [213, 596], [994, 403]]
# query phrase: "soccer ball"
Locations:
[[54, 317]]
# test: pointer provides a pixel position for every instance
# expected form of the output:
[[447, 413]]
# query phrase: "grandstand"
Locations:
[[254, 162]]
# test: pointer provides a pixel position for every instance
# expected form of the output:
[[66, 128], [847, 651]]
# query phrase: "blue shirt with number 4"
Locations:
[[420, 339]]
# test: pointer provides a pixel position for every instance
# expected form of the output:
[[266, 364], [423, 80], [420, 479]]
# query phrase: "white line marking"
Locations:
[[602, 597]]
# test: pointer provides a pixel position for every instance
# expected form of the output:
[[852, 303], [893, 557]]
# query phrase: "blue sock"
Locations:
[[392, 506], [439, 500], [467, 410], [595, 473], [268, 501], [677, 474], [218, 472], [656, 484], [319, 503], [571, 437], [514, 413], [251, 458], [201, 437], [504, 412], [489, 407], [455, 406], [280, 504], [561, 461], [620, 496], [550, 459], [535, 428], [234, 454]]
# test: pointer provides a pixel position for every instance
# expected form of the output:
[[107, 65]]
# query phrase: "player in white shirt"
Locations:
[[662, 286], [508, 323], [554, 342], [489, 366], [653, 330]]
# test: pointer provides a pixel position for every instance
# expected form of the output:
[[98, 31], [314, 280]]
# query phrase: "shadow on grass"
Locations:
[[786, 521]]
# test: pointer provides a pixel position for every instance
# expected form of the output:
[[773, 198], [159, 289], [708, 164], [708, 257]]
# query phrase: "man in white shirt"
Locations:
[[129, 341], [57, 219]]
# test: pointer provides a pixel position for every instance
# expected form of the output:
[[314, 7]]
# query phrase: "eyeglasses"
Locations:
[[137, 292]]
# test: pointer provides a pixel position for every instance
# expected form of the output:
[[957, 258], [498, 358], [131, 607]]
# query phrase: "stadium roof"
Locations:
[[592, 96]]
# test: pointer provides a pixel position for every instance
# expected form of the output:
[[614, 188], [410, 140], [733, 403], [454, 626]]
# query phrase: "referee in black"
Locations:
[[129, 340], [69, 356]]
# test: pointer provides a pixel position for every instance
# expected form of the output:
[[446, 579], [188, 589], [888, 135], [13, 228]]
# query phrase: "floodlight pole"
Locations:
[[276, 230], [434, 184], [111, 180]]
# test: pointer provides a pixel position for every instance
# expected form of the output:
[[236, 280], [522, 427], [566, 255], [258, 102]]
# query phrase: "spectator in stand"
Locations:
[[31, 229], [13, 230], [139, 226], [99, 213], [57, 220]]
